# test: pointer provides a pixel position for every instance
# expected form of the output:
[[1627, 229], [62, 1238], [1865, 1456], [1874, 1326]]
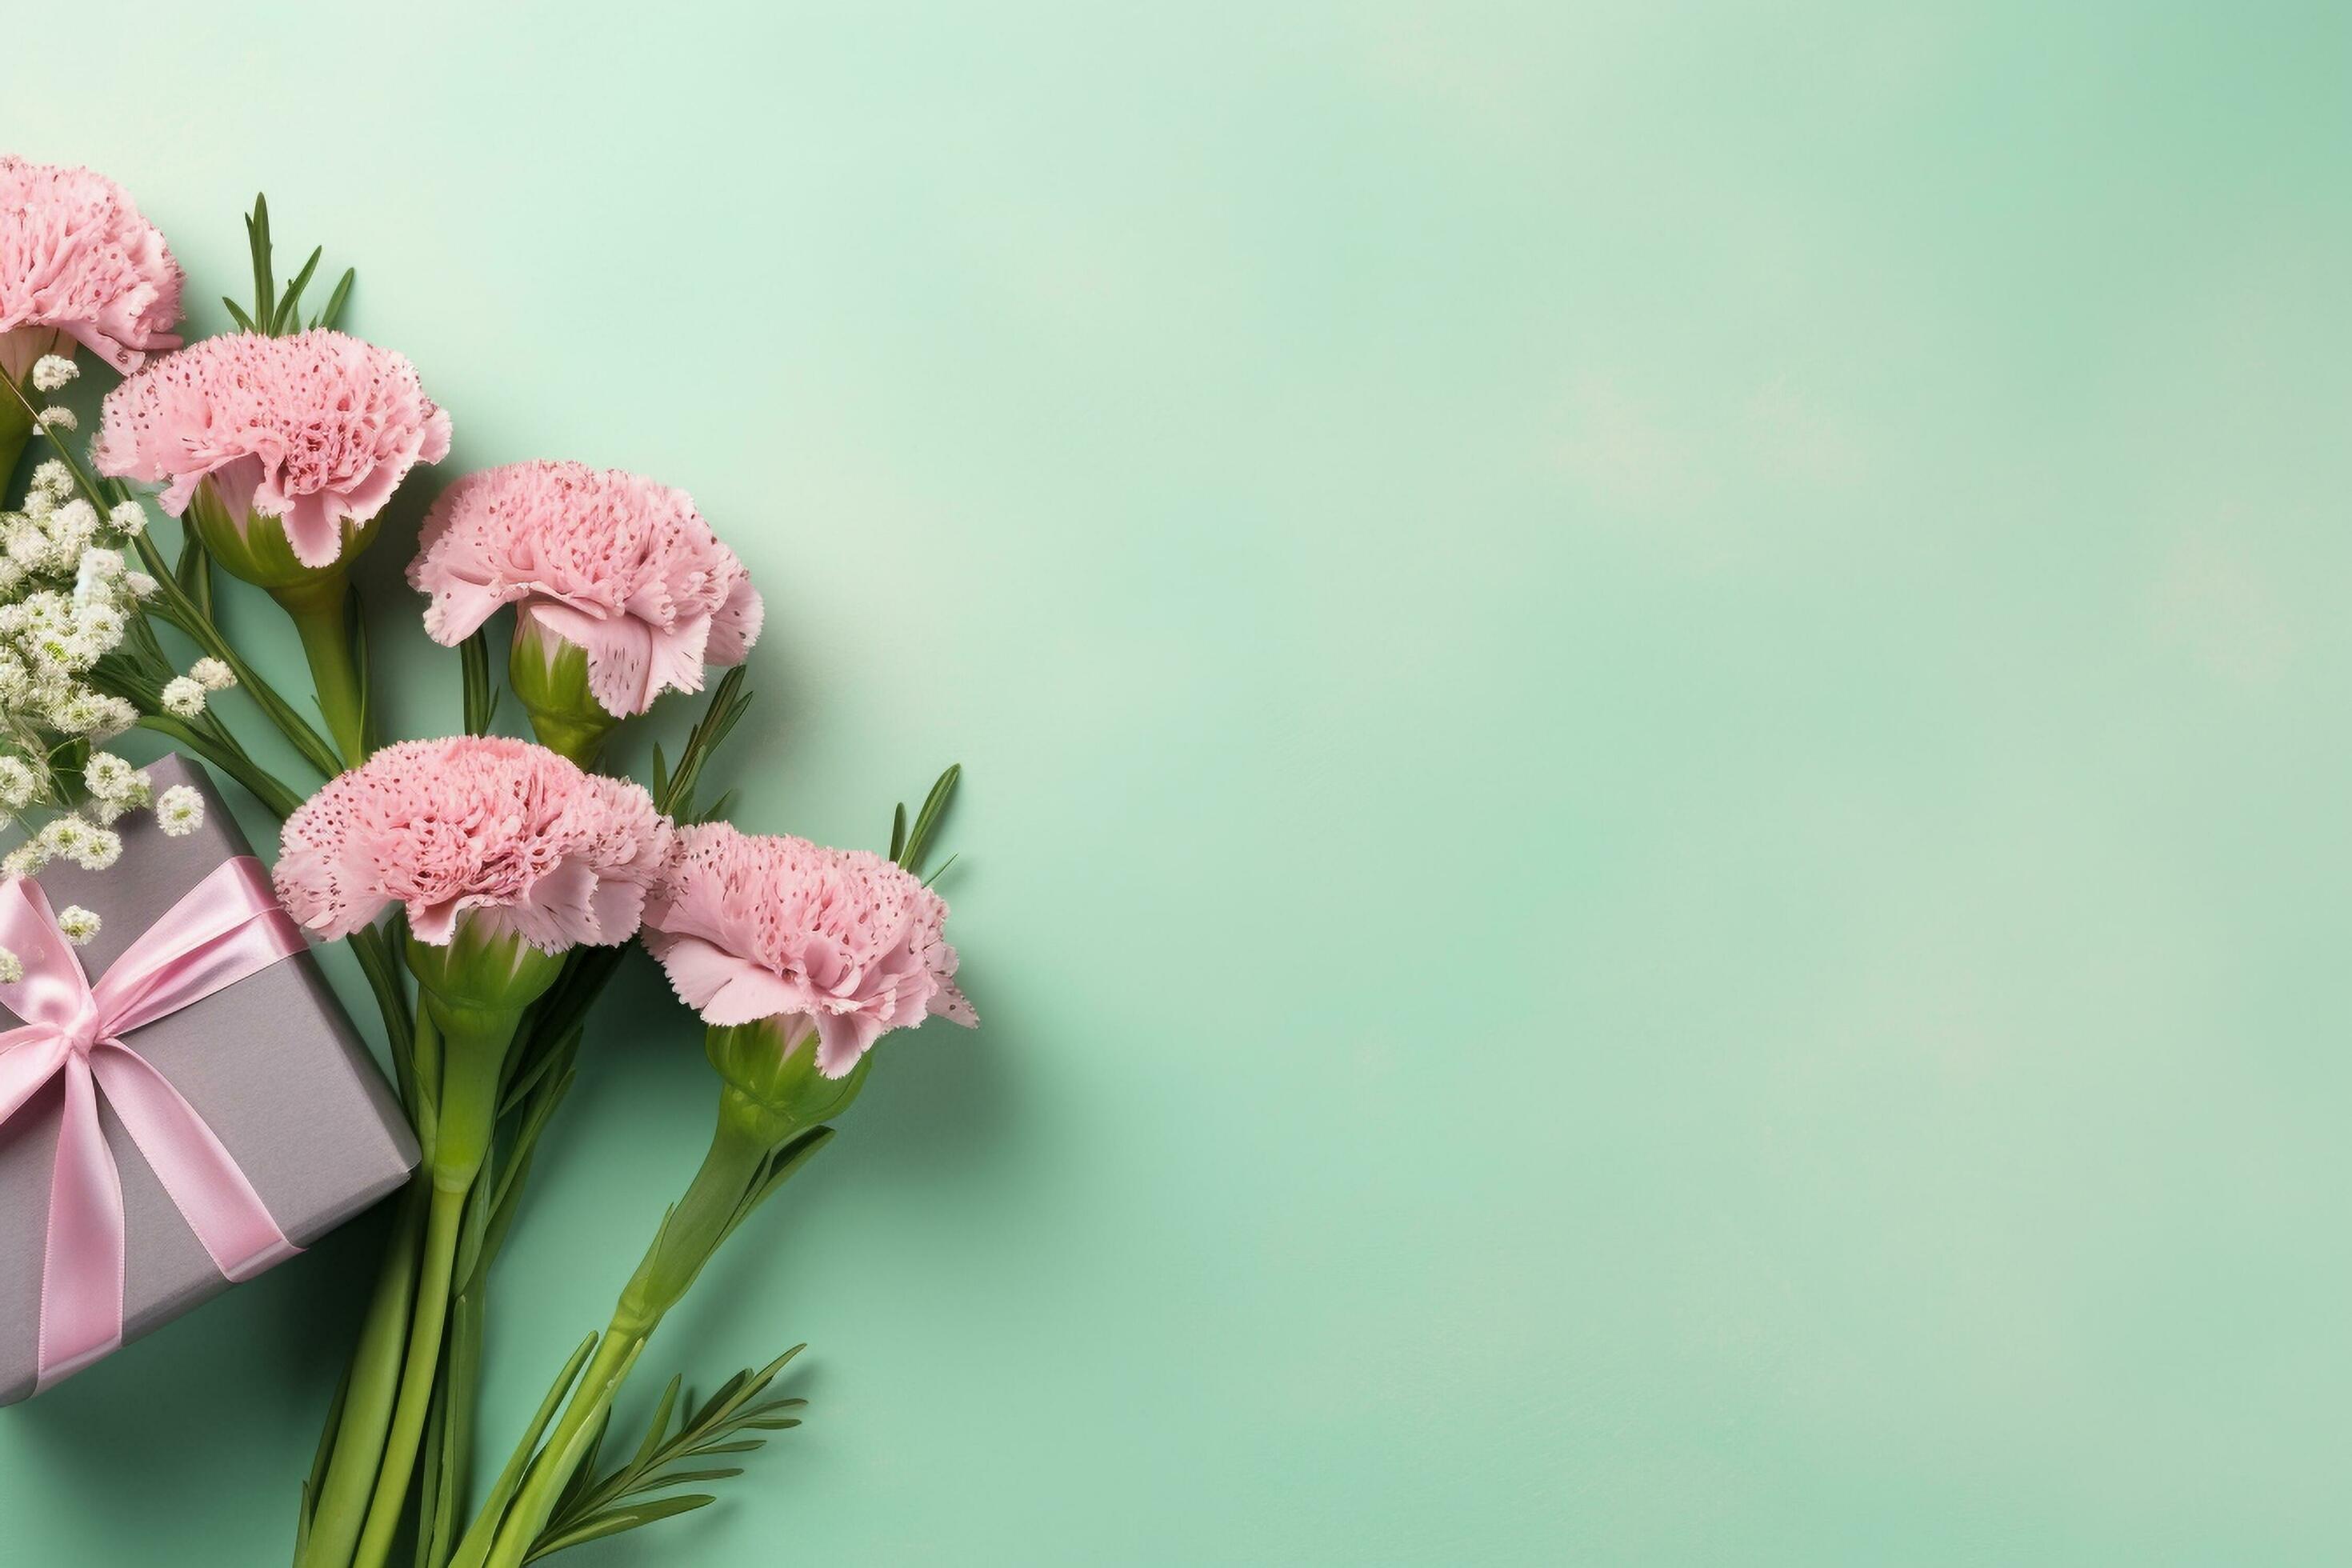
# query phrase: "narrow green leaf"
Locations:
[[631, 1518], [236, 313], [584, 1474], [475, 1550], [481, 698], [658, 1428], [927, 821], [942, 871], [741, 1446], [257, 236], [355, 616], [898, 830], [692, 1477], [328, 317], [289, 305]]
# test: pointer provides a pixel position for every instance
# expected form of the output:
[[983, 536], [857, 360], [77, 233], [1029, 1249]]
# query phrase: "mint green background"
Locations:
[[1653, 701]]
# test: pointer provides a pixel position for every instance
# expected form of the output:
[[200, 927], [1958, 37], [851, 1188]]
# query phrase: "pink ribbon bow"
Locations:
[[227, 927]]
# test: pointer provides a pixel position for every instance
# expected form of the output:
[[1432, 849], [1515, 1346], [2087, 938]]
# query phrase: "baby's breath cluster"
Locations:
[[67, 599]]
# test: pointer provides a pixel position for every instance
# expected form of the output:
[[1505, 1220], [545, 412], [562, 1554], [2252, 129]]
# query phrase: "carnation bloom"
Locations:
[[750, 928], [316, 429], [77, 262], [532, 845], [598, 559]]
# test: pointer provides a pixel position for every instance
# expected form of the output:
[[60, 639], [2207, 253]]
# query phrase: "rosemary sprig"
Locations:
[[624, 1499]]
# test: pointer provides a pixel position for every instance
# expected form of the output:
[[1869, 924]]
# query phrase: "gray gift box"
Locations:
[[271, 1063]]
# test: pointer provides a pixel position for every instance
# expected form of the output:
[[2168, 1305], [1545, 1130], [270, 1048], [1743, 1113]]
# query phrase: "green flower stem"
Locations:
[[319, 610], [230, 758], [16, 432], [342, 1504], [689, 1236], [473, 1042]]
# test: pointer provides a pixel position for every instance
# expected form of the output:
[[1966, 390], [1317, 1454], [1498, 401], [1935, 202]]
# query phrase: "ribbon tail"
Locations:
[[82, 1267], [204, 1180]]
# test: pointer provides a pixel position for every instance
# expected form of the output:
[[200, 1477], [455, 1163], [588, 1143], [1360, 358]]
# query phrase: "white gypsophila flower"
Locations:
[[115, 717], [19, 784], [80, 714], [101, 848], [108, 776], [78, 924], [140, 584], [212, 674], [51, 372], [180, 811], [183, 696], [97, 570], [65, 835], [57, 416], [52, 478], [12, 968], [24, 860], [128, 519]]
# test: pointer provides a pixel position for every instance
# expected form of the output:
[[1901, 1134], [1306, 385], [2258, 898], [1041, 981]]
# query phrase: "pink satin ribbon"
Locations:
[[228, 927]]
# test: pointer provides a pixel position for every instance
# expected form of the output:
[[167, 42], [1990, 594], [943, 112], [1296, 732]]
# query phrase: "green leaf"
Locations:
[[481, 695], [927, 821], [328, 317], [634, 1517], [289, 305], [256, 238], [355, 618], [193, 571], [475, 1549], [658, 1426], [237, 314], [898, 830]]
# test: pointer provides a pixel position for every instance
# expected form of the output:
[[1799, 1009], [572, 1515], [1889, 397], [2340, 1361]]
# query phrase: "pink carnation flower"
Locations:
[[544, 850], [78, 261], [752, 927], [314, 429], [615, 564]]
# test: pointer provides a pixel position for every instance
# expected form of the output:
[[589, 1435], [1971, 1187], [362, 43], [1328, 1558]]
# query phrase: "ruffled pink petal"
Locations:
[[475, 826], [620, 655], [736, 626], [76, 257], [781, 925], [435, 924], [459, 611], [329, 426], [313, 531], [621, 566], [841, 1040]]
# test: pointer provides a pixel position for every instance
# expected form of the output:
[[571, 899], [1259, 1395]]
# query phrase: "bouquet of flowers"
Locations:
[[486, 884]]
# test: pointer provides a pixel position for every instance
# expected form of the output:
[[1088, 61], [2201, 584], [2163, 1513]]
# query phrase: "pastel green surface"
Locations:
[[1652, 704]]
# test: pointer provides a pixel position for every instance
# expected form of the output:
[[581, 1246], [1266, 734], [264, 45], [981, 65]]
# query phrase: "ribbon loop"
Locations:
[[227, 927]]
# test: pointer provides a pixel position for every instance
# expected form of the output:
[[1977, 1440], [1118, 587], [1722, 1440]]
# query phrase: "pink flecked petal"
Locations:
[[78, 258], [313, 531], [433, 923], [458, 613], [620, 654], [611, 561], [783, 925], [951, 1006], [320, 427], [841, 1040], [736, 626], [497, 829]]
